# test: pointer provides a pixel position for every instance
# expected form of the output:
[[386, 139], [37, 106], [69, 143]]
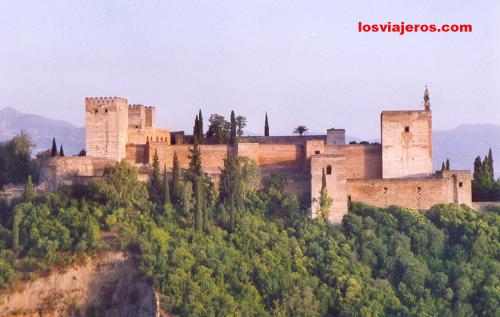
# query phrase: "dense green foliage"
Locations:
[[268, 258], [484, 185], [15, 160]]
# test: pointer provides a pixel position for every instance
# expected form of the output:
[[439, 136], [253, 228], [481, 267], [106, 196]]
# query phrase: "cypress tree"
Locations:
[[323, 180], [443, 167], [177, 187], [478, 168], [61, 151], [195, 160], [155, 182], [232, 136], [447, 164], [198, 192], [29, 190], [325, 201], [166, 187], [195, 130], [16, 223], [53, 152], [490, 165], [200, 127], [266, 127]]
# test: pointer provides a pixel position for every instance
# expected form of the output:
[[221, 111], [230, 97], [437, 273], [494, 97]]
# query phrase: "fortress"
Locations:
[[398, 171]]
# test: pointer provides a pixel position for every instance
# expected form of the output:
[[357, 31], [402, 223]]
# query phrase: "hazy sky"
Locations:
[[301, 61]]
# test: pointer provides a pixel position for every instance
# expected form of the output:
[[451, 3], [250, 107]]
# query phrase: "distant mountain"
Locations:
[[462, 144], [41, 130]]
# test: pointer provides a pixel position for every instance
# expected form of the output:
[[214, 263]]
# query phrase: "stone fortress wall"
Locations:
[[396, 172]]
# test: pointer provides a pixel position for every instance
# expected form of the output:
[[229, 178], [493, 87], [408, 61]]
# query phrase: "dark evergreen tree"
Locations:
[[155, 184], [233, 129], [325, 201], [266, 126], [61, 151], [447, 164], [241, 123], [166, 187], [199, 203], [491, 170], [478, 168], [53, 151], [200, 128], [177, 187], [443, 167]]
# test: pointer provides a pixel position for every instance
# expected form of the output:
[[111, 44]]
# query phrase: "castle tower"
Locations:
[[106, 127], [407, 142]]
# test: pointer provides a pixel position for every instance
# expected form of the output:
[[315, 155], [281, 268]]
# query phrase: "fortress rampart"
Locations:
[[396, 172]]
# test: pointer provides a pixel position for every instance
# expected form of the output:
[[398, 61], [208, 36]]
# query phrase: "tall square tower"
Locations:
[[106, 127], [406, 143]]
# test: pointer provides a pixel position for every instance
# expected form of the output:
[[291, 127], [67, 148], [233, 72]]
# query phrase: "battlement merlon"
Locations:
[[93, 103]]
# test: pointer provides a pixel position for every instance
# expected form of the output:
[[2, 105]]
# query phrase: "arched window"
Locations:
[[329, 170]]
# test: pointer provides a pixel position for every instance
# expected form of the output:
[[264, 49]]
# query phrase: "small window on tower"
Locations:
[[407, 129], [317, 152], [460, 184], [96, 111], [329, 170]]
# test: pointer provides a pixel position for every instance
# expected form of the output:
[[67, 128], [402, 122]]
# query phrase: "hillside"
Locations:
[[42, 130]]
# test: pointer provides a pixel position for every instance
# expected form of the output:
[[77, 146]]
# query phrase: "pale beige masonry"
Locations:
[[397, 171], [406, 143], [106, 127]]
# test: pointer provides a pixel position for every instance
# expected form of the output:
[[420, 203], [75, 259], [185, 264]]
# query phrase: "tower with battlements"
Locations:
[[106, 127]]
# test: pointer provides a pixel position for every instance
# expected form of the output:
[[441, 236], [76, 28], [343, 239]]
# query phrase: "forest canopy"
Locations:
[[256, 252]]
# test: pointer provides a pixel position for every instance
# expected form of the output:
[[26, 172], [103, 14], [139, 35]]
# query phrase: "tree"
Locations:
[[491, 170], [233, 134], [166, 188], [61, 151], [266, 126], [199, 204], [301, 129], [241, 123], [177, 188], [16, 160], [447, 164], [29, 190], [200, 127], [218, 128], [443, 167], [53, 152], [155, 183], [120, 188], [325, 202]]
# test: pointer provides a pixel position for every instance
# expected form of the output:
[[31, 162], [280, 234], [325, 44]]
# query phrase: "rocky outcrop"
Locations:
[[106, 285]]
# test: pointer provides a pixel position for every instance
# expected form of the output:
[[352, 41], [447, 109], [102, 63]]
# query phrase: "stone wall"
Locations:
[[406, 143], [415, 193], [58, 171], [212, 156], [362, 160], [153, 135], [106, 125]]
